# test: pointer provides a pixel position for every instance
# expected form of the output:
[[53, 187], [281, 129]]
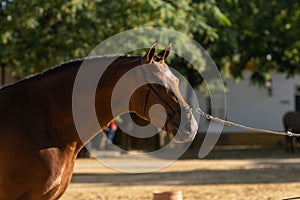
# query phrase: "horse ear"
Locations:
[[150, 54], [165, 53]]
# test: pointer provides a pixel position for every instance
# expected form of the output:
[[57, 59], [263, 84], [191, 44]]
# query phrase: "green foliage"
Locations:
[[41, 34], [263, 33], [36, 35]]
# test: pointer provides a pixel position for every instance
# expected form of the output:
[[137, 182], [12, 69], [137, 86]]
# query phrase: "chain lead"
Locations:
[[228, 123]]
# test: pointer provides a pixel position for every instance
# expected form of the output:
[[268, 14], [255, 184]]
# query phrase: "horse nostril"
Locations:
[[188, 127], [174, 130]]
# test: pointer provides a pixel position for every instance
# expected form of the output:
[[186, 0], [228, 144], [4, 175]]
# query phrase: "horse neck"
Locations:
[[57, 89], [106, 88], [63, 86], [45, 101]]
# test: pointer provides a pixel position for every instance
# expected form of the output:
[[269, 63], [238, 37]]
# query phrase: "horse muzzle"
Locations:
[[185, 131]]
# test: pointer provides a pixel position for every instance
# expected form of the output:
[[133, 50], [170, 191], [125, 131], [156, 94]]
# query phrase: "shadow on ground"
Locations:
[[242, 152], [268, 166], [197, 177]]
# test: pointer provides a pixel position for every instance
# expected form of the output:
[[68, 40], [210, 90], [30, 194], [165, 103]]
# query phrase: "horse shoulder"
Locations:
[[59, 165], [50, 175]]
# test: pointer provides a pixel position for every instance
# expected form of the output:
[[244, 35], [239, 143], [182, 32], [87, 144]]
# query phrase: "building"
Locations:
[[259, 107]]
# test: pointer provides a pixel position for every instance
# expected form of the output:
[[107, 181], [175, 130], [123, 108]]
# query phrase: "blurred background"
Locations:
[[255, 44]]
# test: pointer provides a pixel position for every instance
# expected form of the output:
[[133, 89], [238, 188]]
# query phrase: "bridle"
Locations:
[[152, 90], [174, 112]]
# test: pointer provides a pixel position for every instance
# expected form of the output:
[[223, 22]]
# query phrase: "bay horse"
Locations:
[[38, 137], [291, 122]]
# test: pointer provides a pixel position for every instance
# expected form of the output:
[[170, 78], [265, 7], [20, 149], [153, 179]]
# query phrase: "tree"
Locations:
[[264, 36], [41, 34]]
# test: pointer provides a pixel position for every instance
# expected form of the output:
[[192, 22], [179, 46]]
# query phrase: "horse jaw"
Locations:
[[187, 131]]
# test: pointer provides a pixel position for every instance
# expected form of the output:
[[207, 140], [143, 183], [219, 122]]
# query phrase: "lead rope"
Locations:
[[228, 123]]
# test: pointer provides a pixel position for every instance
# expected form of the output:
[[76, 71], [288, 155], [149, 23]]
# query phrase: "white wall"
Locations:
[[252, 106]]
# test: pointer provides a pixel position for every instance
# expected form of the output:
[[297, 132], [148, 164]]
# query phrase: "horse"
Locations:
[[291, 122], [39, 140]]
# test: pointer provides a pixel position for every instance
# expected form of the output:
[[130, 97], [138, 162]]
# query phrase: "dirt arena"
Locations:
[[224, 174]]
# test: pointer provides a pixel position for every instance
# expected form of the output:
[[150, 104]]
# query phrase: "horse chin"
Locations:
[[186, 132], [182, 137]]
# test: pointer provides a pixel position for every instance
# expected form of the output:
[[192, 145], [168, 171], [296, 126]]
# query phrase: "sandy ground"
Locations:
[[251, 174]]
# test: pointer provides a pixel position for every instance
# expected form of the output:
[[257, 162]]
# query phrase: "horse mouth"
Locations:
[[182, 137], [185, 134]]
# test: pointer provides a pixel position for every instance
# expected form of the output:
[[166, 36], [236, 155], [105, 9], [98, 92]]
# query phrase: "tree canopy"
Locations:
[[263, 36], [36, 35]]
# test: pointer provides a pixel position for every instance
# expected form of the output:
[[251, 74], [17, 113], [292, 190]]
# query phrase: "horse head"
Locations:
[[174, 114]]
